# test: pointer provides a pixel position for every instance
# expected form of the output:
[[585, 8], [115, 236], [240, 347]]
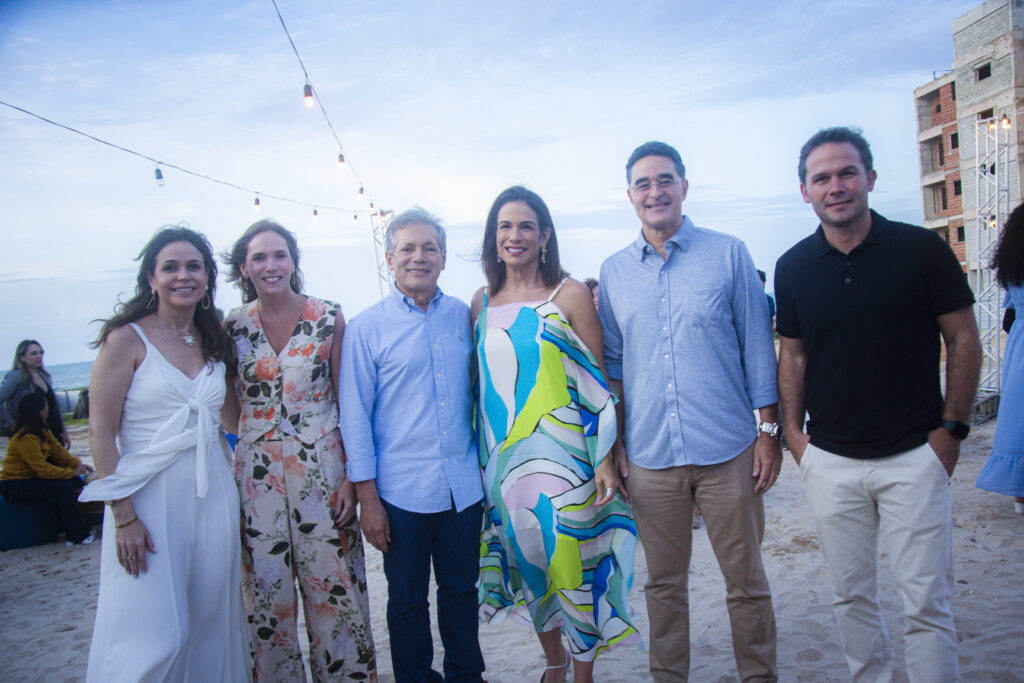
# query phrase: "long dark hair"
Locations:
[[19, 364], [29, 420], [550, 272], [1008, 261], [215, 343], [235, 258]]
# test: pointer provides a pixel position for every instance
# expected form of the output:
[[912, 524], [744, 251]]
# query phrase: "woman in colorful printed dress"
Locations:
[[559, 542], [298, 509]]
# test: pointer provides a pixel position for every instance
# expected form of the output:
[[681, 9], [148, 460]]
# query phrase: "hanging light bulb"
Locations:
[[372, 206], [256, 204], [315, 214], [991, 124], [361, 192], [307, 94], [355, 217], [341, 160], [1005, 121], [992, 222], [159, 175]]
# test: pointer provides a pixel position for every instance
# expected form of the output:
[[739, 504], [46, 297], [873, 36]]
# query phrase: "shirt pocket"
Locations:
[[706, 307]]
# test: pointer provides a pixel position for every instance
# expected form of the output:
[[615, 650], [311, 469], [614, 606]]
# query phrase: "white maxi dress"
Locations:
[[183, 619]]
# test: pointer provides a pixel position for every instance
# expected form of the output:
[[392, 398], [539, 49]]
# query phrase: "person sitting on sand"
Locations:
[[38, 467]]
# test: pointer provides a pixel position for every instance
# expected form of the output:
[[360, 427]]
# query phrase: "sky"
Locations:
[[437, 104]]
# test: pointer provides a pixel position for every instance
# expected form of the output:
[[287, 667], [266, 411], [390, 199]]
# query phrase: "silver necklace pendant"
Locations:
[[188, 339]]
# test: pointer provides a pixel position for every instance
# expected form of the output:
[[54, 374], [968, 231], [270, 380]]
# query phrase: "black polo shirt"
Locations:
[[868, 324]]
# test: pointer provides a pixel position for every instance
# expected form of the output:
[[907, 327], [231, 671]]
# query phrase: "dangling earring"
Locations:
[[206, 302], [294, 281], [543, 254], [497, 258], [152, 303]]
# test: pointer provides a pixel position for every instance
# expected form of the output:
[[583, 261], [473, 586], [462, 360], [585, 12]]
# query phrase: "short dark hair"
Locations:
[[854, 136], [654, 148], [494, 268]]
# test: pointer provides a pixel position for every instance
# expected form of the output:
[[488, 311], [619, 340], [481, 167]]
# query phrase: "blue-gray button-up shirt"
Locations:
[[407, 403], [690, 339]]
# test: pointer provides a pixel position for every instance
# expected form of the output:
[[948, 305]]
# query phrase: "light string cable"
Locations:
[[165, 164], [320, 104]]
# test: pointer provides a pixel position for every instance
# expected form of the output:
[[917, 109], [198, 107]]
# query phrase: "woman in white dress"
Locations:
[[170, 604]]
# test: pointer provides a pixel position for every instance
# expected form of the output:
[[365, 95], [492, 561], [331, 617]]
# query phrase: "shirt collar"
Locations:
[[682, 238], [876, 235], [407, 303]]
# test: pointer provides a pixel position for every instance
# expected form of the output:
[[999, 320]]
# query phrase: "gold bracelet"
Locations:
[[128, 523]]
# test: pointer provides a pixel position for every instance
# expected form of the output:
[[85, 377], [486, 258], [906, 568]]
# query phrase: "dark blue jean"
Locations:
[[64, 491], [452, 540]]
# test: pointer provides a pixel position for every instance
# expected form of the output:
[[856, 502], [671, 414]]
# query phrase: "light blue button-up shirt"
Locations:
[[407, 403], [690, 339]]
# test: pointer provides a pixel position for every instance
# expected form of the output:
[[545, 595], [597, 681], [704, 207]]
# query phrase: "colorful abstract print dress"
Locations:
[[546, 420]]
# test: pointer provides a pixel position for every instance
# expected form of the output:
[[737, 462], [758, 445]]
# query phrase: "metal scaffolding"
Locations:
[[992, 156], [378, 224]]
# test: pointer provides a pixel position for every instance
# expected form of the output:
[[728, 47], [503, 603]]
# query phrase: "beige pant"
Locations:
[[907, 498], [734, 516]]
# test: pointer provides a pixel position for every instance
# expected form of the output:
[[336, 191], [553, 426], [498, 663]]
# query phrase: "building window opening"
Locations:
[[985, 115], [954, 141], [952, 90], [984, 71], [943, 198], [938, 108], [958, 188], [960, 236], [940, 153]]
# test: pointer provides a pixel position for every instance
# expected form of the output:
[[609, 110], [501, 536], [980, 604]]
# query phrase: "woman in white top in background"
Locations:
[[170, 604]]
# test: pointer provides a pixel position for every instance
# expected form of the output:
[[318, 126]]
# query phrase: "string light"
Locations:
[[992, 222], [991, 124], [159, 176], [256, 204], [319, 102], [307, 94], [315, 214], [1006, 122], [157, 173], [355, 217]]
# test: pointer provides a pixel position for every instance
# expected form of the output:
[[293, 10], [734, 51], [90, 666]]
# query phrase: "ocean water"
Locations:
[[68, 376]]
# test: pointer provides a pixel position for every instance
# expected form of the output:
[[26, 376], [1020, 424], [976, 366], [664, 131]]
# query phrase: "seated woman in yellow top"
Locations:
[[37, 467]]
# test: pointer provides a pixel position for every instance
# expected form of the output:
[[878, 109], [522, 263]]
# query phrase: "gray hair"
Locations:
[[411, 217]]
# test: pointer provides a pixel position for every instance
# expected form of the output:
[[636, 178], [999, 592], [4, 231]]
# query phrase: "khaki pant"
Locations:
[[734, 516], [905, 497]]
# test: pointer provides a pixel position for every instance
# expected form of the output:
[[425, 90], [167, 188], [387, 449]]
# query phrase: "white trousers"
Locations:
[[905, 497]]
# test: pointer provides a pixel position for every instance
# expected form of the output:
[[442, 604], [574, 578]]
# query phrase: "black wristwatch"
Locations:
[[958, 429]]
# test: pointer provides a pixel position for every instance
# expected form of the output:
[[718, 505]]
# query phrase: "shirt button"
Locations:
[[662, 299], [670, 385], [671, 414], [847, 280], [666, 355], [442, 403], [664, 328]]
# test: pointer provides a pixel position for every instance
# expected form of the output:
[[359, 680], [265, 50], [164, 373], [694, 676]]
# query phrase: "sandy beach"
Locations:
[[48, 599]]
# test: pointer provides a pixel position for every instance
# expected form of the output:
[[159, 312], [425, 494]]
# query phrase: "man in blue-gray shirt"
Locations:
[[688, 346], [407, 423]]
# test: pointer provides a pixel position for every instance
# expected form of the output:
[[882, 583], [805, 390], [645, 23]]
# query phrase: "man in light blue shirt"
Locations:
[[689, 347], [407, 423]]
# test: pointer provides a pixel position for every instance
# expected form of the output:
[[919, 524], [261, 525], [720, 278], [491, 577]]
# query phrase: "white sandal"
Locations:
[[567, 665]]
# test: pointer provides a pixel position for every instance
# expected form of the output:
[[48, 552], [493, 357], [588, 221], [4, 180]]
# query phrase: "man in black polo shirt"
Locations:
[[862, 304]]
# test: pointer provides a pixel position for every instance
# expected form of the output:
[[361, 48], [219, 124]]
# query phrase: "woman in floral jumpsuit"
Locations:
[[298, 509]]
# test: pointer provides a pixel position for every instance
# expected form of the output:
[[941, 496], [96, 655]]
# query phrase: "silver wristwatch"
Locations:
[[772, 429]]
